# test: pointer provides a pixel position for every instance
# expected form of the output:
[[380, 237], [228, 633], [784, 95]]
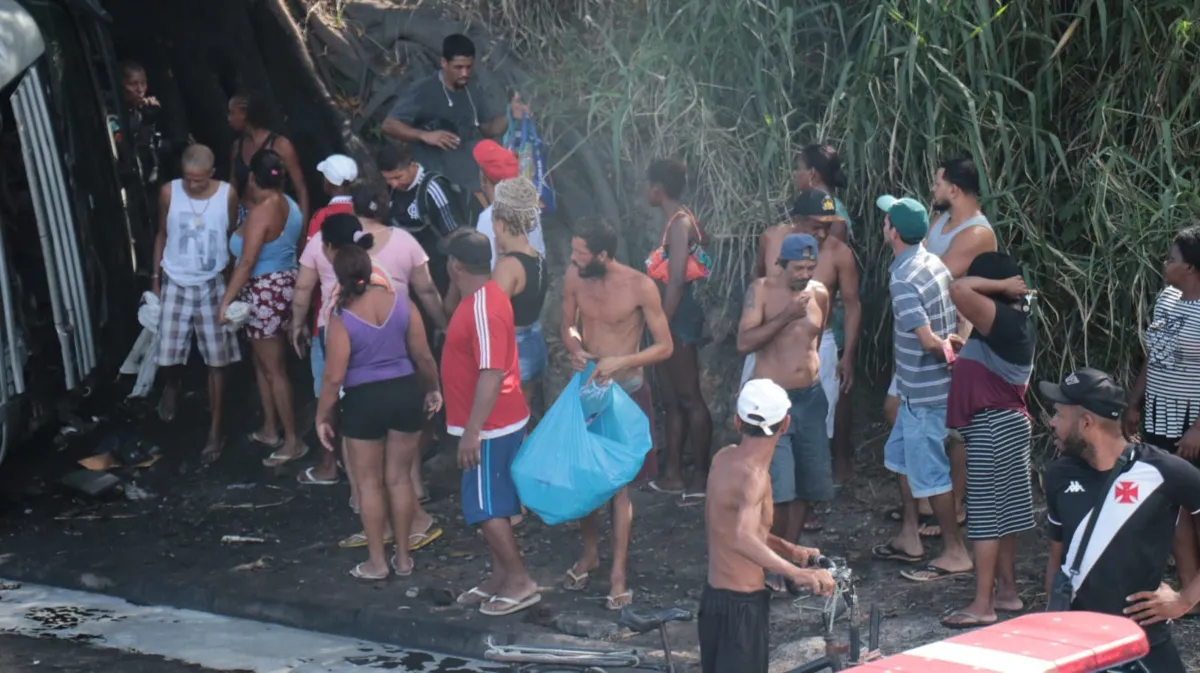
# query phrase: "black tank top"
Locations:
[[527, 306], [241, 170]]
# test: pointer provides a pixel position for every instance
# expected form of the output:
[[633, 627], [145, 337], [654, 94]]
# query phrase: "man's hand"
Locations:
[[802, 555], [606, 367], [299, 336], [1131, 422], [845, 373], [441, 139], [1189, 444], [956, 343], [468, 451], [150, 101], [580, 359], [223, 314], [1152, 607], [797, 308], [816, 580], [325, 434], [1014, 288]]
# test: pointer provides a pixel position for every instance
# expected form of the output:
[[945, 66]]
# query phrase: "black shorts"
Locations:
[[734, 631], [371, 409]]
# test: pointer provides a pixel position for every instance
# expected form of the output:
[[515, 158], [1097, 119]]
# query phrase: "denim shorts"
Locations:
[[801, 467], [317, 359], [917, 449], [531, 352]]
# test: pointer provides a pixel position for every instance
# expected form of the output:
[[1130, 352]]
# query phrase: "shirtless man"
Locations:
[[614, 305], [783, 319], [959, 235], [734, 629]]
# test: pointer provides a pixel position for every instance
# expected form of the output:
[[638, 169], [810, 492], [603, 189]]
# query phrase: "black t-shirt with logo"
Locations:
[[1131, 542]]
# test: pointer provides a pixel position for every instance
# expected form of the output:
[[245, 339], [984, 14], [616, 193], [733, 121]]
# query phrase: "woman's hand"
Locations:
[[1131, 422], [1189, 444], [326, 434], [300, 337], [433, 403]]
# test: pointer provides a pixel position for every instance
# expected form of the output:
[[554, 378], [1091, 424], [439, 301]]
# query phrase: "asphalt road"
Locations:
[[46, 629]]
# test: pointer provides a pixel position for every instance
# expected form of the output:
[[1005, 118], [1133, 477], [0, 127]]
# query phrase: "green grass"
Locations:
[[1082, 116]]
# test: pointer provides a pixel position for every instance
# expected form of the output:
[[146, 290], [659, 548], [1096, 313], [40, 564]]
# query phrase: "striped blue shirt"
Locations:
[[920, 288]]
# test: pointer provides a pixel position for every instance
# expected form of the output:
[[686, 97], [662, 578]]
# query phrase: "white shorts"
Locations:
[[828, 374]]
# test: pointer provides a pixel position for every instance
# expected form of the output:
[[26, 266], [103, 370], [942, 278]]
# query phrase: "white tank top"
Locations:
[[938, 243], [197, 236]]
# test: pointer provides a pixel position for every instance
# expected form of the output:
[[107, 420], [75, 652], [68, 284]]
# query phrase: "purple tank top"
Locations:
[[378, 353]]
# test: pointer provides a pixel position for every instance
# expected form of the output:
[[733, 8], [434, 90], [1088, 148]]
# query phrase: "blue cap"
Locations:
[[797, 247]]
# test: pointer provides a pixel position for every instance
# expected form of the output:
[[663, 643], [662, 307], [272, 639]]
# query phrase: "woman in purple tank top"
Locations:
[[377, 355]]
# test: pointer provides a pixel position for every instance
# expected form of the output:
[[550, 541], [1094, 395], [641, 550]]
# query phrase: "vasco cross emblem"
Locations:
[[1126, 492]]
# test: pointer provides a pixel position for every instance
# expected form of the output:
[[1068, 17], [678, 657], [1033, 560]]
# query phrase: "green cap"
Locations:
[[909, 218]]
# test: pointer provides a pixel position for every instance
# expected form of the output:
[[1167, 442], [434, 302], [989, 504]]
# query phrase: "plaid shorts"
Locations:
[[188, 308]]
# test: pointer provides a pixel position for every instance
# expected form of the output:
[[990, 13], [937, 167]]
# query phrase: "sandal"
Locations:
[[358, 573], [306, 478], [412, 565], [691, 499], [472, 596], [966, 620], [932, 573], [277, 459], [511, 605], [359, 540], [421, 540], [576, 581], [615, 602], [887, 552], [254, 438]]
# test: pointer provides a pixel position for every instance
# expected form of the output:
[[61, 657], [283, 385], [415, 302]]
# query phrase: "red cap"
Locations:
[[496, 162]]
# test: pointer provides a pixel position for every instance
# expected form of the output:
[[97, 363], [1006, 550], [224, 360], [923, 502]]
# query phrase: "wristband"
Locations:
[[948, 351]]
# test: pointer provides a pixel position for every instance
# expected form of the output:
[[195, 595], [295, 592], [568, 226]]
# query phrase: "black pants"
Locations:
[[1163, 658], [734, 631]]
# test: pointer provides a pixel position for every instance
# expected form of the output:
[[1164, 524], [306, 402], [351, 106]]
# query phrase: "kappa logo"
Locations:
[[1126, 492], [1075, 487]]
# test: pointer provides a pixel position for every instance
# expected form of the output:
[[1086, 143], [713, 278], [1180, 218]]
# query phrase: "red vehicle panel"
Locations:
[[1049, 642]]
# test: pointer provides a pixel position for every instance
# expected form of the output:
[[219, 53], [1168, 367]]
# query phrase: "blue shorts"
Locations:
[[801, 467], [917, 449], [488, 491], [531, 352], [317, 360]]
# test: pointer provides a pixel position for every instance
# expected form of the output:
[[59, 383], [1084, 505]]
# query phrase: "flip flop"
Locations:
[[887, 552], [576, 582], [162, 414], [610, 603], [932, 573], [813, 526], [512, 605], [421, 540], [653, 485], [972, 621], [306, 478], [691, 499], [253, 438], [412, 565], [358, 573], [276, 459], [359, 540], [467, 597]]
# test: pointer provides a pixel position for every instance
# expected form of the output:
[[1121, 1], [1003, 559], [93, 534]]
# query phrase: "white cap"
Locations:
[[763, 404], [338, 169]]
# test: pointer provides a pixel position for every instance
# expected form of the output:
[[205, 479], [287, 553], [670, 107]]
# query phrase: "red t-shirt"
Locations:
[[481, 336], [338, 205]]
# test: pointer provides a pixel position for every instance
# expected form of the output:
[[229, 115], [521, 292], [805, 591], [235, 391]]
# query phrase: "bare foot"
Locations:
[[211, 452], [1007, 602]]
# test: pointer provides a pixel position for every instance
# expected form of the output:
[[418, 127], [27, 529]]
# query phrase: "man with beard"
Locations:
[[606, 309], [959, 235], [783, 319], [445, 114], [1119, 569]]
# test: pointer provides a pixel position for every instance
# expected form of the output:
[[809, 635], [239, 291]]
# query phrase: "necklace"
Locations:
[[197, 218]]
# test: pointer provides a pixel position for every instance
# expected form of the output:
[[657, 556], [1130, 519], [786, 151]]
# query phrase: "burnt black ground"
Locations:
[[21, 654]]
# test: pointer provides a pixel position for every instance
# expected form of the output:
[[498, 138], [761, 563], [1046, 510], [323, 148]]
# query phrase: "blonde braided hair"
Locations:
[[516, 205]]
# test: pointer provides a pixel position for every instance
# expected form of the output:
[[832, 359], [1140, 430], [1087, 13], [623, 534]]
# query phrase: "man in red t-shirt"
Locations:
[[481, 384]]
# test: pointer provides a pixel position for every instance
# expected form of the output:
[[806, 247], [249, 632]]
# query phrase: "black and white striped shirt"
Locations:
[[1173, 365]]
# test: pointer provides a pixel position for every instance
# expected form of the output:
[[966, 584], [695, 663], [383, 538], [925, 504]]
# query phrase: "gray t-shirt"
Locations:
[[920, 288], [429, 105]]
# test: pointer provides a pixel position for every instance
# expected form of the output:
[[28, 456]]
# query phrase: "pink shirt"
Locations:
[[399, 256]]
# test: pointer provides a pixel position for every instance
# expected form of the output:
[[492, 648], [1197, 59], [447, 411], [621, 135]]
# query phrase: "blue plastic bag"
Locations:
[[577, 460], [531, 158]]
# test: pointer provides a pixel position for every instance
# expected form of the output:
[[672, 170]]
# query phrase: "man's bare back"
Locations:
[[735, 481], [790, 357], [768, 248]]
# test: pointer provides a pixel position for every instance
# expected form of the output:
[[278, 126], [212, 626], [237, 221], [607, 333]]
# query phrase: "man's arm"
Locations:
[[427, 294], [909, 316], [848, 282], [966, 246], [160, 237], [234, 200], [568, 323], [437, 196], [760, 258], [748, 543], [1053, 563], [676, 250], [753, 331], [792, 552]]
